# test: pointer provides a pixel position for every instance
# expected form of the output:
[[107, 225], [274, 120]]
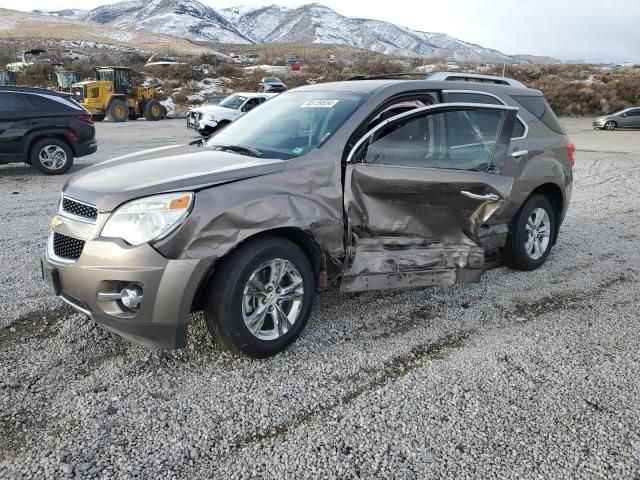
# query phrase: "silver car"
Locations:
[[627, 118]]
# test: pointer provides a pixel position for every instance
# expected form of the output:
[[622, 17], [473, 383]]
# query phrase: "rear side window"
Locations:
[[12, 102], [455, 97], [46, 103], [467, 97], [539, 108]]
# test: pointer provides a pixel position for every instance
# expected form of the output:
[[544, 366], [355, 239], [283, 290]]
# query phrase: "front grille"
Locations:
[[79, 209], [67, 247]]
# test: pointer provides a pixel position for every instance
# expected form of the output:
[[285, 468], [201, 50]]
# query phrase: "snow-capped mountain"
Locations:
[[312, 23], [68, 13], [182, 18], [316, 23]]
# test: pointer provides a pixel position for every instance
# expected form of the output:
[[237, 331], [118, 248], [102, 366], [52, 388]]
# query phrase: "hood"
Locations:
[[174, 168]]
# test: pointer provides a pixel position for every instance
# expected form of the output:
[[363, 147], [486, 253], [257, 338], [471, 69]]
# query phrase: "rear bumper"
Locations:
[[104, 266], [86, 148]]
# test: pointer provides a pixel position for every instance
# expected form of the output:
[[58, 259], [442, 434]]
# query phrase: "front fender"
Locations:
[[307, 199]]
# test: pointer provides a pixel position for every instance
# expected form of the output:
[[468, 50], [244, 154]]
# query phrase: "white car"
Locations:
[[208, 119], [75, 55]]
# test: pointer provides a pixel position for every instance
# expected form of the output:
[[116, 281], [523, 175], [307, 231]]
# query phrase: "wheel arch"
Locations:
[[553, 193], [298, 236], [44, 135]]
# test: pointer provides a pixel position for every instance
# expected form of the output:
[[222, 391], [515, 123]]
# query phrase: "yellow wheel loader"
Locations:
[[111, 95]]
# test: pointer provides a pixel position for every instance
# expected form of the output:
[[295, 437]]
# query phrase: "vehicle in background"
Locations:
[[8, 78], [43, 128], [113, 96], [66, 80], [271, 85], [293, 59], [383, 182], [208, 119], [627, 118], [70, 54], [27, 59]]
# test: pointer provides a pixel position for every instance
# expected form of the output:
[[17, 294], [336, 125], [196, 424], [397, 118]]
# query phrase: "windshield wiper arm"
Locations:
[[242, 149]]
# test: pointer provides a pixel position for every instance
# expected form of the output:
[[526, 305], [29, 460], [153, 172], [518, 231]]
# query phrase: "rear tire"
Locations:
[[153, 111], [532, 235], [245, 293], [118, 111], [51, 156]]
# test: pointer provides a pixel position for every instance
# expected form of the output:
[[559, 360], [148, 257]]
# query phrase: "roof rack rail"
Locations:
[[473, 77], [443, 76], [388, 76]]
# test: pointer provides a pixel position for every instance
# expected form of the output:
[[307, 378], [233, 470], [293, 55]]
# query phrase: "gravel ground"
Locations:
[[524, 375]]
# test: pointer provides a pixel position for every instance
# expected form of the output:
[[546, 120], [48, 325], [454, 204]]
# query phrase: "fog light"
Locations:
[[130, 296]]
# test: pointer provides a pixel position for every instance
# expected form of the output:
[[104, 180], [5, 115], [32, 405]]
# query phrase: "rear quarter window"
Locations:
[[539, 108]]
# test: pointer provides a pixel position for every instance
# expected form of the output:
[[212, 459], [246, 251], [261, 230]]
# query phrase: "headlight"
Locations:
[[147, 219], [208, 116]]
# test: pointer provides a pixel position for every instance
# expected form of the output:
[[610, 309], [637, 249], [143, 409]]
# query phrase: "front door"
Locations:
[[420, 191]]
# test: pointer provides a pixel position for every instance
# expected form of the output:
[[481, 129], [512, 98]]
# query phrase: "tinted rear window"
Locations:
[[539, 108]]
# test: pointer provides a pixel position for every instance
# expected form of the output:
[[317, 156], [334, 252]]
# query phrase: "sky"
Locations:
[[589, 30]]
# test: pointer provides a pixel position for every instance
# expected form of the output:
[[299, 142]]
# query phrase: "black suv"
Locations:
[[43, 128]]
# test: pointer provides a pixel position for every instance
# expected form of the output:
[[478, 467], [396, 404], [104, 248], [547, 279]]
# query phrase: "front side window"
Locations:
[[291, 124], [457, 140]]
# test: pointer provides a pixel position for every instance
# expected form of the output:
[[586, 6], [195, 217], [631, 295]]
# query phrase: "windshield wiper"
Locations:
[[241, 149]]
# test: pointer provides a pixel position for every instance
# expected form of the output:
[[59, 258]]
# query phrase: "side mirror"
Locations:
[[625, 114]]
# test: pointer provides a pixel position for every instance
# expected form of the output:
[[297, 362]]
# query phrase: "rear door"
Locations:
[[15, 120], [420, 191]]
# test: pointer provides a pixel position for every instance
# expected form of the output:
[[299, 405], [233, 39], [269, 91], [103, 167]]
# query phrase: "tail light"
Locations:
[[86, 119], [571, 150]]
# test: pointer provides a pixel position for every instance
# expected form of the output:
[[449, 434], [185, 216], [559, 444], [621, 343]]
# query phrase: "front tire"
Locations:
[[118, 111], [532, 235], [260, 298], [153, 111], [611, 126], [51, 156]]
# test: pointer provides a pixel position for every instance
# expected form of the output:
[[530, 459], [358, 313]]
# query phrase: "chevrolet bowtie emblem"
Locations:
[[55, 222]]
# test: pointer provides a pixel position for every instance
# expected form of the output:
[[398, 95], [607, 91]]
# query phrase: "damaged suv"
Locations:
[[360, 185]]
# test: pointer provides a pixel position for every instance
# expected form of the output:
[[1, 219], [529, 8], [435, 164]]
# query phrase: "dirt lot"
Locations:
[[524, 375]]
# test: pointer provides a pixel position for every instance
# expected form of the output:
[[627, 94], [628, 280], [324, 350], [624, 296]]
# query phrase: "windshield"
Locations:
[[289, 125], [234, 101], [272, 80]]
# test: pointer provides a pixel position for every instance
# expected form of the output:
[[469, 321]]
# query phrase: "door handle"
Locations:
[[520, 153], [491, 197]]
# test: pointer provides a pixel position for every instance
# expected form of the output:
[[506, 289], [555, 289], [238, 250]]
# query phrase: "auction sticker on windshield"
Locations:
[[319, 104]]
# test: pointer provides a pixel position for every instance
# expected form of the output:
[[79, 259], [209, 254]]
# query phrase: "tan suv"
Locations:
[[360, 185]]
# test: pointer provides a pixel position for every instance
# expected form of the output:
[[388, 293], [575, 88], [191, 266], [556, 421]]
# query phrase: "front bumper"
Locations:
[[207, 126], [105, 265], [599, 123]]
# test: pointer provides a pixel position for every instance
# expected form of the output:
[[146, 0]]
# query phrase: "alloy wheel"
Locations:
[[538, 234], [53, 157], [272, 299]]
